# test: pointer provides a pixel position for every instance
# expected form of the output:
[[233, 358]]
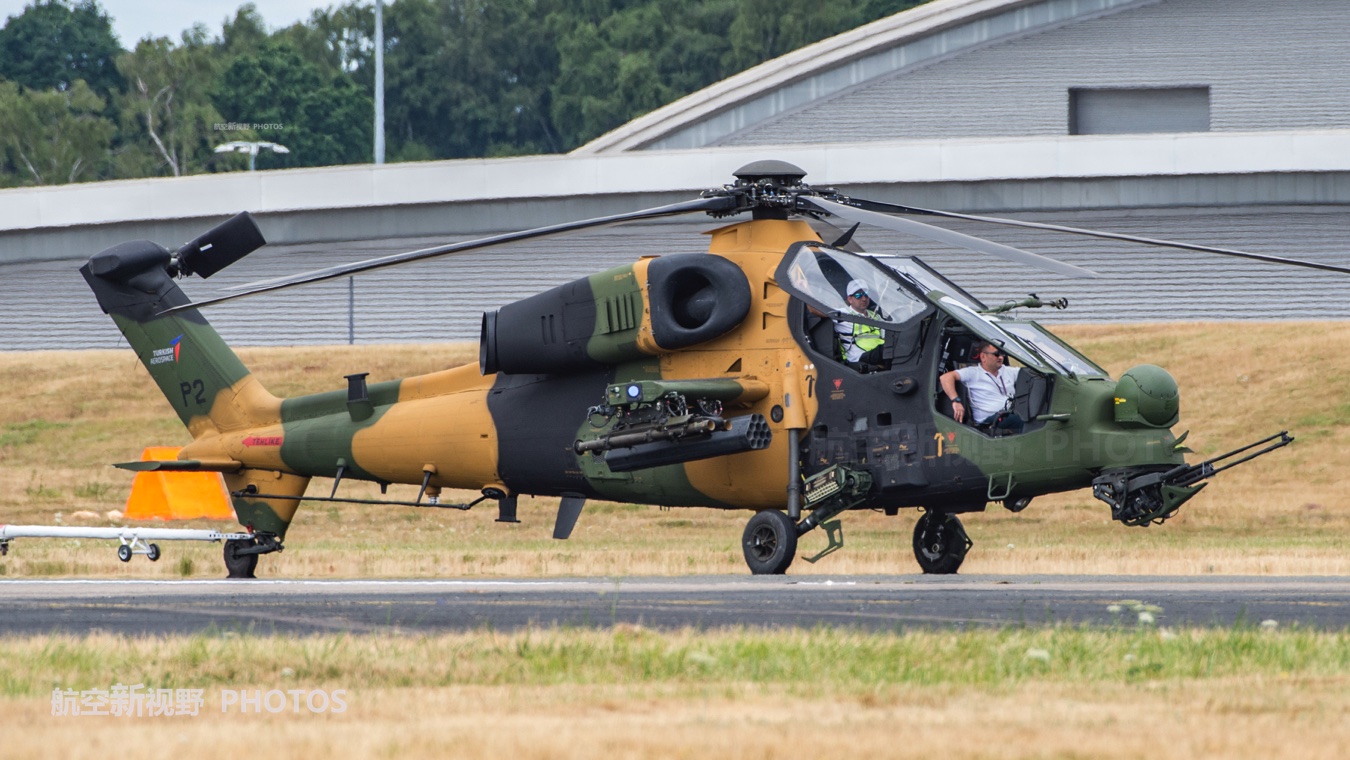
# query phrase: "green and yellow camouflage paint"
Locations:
[[703, 380]]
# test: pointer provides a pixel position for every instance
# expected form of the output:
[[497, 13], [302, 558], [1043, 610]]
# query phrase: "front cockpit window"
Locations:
[[825, 277], [1028, 342], [1068, 360], [928, 278]]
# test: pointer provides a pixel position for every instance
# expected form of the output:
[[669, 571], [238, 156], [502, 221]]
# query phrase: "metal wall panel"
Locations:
[[1269, 66], [46, 305]]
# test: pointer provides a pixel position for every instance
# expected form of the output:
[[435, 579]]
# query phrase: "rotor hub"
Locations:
[[778, 172], [768, 189]]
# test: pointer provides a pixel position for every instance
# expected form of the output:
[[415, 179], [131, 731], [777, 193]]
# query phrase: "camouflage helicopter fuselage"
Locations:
[[605, 387], [509, 431]]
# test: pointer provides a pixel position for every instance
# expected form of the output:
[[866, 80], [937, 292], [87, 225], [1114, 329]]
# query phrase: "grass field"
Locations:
[[71, 413], [636, 693], [633, 693]]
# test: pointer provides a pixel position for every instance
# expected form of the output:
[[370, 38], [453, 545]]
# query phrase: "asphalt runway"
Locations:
[[878, 603]]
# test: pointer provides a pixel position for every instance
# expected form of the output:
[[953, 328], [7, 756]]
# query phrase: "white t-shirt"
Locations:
[[988, 394]]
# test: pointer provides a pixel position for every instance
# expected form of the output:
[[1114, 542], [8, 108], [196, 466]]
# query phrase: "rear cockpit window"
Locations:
[[1058, 352], [929, 279], [823, 277]]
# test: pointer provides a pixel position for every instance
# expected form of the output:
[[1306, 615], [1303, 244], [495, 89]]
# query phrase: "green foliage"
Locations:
[[466, 78], [166, 110], [245, 33], [37, 491], [854, 663], [53, 137], [93, 490], [52, 44], [463, 78], [321, 117]]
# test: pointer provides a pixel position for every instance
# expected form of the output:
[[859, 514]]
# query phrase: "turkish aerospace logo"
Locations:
[[170, 354]]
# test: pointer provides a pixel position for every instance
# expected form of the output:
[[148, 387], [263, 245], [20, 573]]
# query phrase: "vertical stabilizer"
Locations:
[[205, 382]]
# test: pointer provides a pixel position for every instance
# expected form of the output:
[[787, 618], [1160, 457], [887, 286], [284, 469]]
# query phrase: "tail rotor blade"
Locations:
[[220, 246]]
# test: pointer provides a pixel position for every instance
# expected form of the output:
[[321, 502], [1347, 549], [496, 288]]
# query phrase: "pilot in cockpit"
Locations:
[[991, 386], [859, 344]]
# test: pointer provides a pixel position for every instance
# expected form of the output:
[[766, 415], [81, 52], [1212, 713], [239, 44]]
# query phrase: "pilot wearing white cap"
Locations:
[[856, 340]]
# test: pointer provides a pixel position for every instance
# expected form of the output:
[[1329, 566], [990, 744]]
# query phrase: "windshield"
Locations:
[[993, 332], [928, 278], [825, 277], [1053, 348]]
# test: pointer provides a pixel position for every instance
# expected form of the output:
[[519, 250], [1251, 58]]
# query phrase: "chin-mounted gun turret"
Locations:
[[1141, 499]]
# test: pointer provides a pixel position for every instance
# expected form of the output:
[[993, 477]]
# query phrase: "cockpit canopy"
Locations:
[[903, 288], [821, 276]]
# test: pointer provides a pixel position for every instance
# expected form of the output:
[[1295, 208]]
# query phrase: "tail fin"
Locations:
[[198, 373]]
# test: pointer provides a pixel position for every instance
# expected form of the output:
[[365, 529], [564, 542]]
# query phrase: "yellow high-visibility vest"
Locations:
[[865, 337]]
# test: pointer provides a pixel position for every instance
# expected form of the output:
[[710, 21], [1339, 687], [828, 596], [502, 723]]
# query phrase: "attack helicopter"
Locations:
[[688, 380]]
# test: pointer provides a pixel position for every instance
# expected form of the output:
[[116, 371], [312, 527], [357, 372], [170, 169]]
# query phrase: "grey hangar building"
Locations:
[[1219, 122]]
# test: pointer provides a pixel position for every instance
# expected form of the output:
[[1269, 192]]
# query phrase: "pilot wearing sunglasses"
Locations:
[[990, 384], [859, 343]]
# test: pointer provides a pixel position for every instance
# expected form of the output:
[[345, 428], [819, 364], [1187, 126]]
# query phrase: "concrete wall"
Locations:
[[470, 198]]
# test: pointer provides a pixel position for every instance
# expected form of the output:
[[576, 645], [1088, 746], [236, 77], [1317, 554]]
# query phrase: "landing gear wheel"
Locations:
[[240, 565], [770, 542], [940, 543], [152, 553], [124, 553]]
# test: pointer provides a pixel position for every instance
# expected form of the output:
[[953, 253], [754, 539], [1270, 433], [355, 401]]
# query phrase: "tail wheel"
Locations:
[[770, 542], [240, 565], [940, 543]]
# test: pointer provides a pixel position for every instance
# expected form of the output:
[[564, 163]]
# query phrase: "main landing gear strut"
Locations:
[[770, 538], [241, 554], [770, 542], [940, 543]]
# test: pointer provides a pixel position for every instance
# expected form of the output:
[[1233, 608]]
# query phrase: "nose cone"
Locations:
[[1147, 396]]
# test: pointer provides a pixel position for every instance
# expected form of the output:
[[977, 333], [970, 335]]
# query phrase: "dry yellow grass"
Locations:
[[632, 693], [1258, 718], [70, 413]]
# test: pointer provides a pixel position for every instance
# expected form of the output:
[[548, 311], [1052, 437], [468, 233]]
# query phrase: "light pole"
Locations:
[[379, 81], [251, 148]]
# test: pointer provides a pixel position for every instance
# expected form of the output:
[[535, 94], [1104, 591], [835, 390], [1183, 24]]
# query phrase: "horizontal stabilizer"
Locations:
[[182, 465]]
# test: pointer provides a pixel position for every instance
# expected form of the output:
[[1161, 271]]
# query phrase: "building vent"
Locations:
[[1116, 111]]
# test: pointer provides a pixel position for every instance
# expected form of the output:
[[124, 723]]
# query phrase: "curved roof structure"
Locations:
[[917, 37], [1017, 68]]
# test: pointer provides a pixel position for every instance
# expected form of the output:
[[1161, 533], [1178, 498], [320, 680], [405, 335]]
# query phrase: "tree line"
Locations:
[[463, 78]]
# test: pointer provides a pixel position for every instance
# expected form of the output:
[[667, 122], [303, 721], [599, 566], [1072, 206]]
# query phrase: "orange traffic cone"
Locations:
[[176, 495]]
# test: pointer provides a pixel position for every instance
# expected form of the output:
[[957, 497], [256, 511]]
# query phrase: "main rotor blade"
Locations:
[[949, 237], [718, 203], [895, 209]]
